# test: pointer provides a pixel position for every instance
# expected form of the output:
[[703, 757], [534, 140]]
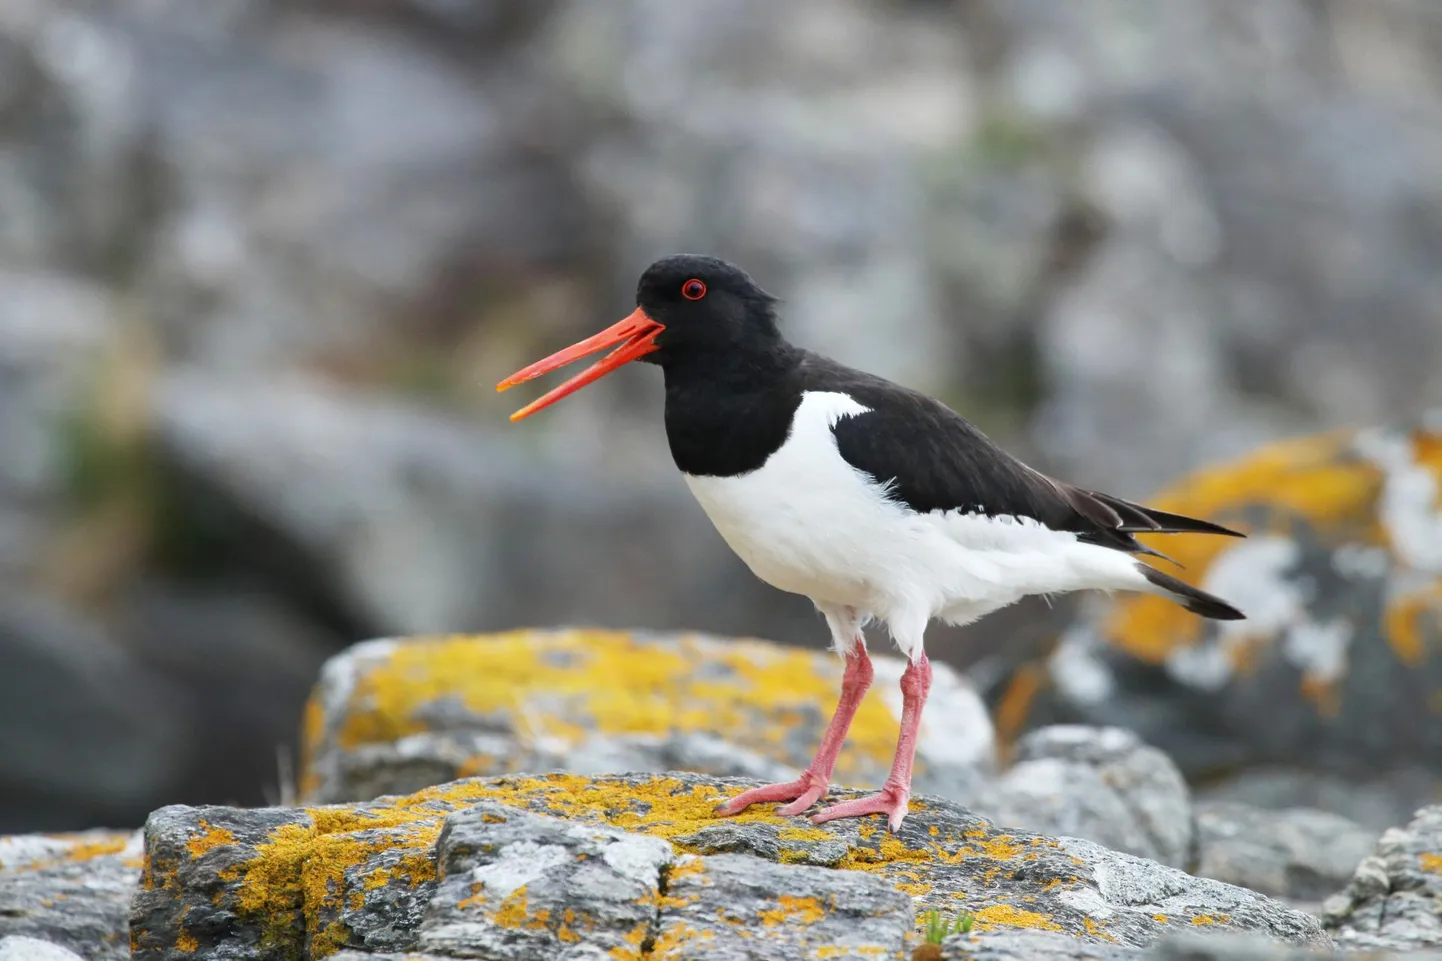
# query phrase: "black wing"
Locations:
[[931, 458]]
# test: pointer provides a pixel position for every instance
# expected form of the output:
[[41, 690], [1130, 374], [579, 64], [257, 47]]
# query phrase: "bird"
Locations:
[[875, 501]]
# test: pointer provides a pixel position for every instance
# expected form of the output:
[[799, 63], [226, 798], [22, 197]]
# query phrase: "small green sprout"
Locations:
[[937, 929]]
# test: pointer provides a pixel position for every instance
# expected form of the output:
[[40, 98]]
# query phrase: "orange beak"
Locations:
[[636, 335]]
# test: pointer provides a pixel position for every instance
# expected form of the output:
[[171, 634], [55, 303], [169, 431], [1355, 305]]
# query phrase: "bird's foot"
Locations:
[[802, 793], [891, 800]]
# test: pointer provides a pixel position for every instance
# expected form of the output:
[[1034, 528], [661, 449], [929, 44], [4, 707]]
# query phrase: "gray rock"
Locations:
[[395, 716], [515, 886], [1300, 854], [21, 948], [85, 731], [1329, 672], [1394, 900], [1376, 802], [1038, 946], [1244, 947], [557, 863], [1102, 784], [1033, 946], [71, 891], [730, 907]]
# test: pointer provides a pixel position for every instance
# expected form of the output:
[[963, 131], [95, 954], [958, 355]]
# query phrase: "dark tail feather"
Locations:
[[1136, 519], [1194, 600]]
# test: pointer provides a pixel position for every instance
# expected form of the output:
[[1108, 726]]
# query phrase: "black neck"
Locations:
[[726, 415]]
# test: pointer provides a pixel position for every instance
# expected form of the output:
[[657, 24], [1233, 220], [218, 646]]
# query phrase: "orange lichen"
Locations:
[[1004, 915], [514, 914], [609, 682], [1404, 619], [674, 938], [791, 910], [208, 839], [302, 872], [1427, 452], [1325, 693], [186, 943], [1431, 863], [1317, 480], [78, 848], [1202, 920], [1159, 918], [1015, 705], [312, 733]]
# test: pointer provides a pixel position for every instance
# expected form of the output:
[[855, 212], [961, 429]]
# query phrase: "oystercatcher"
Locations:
[[870, 499]]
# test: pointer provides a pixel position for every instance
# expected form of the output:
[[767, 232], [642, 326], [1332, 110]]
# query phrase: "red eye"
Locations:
[[693, 289]]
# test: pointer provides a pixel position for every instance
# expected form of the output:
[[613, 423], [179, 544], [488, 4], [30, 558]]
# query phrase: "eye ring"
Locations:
[[693, 289]]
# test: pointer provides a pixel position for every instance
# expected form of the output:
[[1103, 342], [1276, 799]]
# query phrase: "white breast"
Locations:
[[802, 521], [808, 522]]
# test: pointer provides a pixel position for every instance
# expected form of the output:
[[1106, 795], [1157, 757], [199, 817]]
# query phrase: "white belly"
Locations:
[[810, 523]]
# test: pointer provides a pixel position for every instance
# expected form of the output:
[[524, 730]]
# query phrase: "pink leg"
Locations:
[[807, 789], [892, 799]]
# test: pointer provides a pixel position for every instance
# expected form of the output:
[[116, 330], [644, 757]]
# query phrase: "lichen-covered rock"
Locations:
[[732, 906], [72, 890], [284, 883], [1341, 651], [516, 885], [1394, 900], [1102, 784], [267, 884], [1190, 946], [1301, 855], [394, 716]]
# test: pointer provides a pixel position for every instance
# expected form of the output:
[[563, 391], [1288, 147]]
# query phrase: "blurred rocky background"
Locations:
[[262, 262]]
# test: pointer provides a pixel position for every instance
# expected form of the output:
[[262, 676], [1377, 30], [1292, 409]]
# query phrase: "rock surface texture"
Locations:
[[394, 716], [1341, 579], [72, 891], [1394, 900], [637, 866], [1102, 784]]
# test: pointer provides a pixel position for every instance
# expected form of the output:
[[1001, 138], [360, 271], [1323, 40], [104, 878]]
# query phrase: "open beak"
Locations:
[[636, 336]]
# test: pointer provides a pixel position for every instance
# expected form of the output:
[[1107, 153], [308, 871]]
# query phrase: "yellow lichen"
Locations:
[[208, 839], [609, 682], [186, 943], [513, 912], [79, 848], [1095, 930], [1431, 863], [1015, 705], [1404, 619], [1203, 920], [1313, 479], [1159, 918], [1325, 693], [1427, 452], [791, 910], [1004, 915], [300, 870], [673, 941]]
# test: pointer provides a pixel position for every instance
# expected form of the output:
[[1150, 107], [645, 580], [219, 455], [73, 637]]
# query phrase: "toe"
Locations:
[[805, 801]]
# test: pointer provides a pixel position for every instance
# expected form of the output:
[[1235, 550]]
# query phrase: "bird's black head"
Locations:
[[712, 311], [692, 312]]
